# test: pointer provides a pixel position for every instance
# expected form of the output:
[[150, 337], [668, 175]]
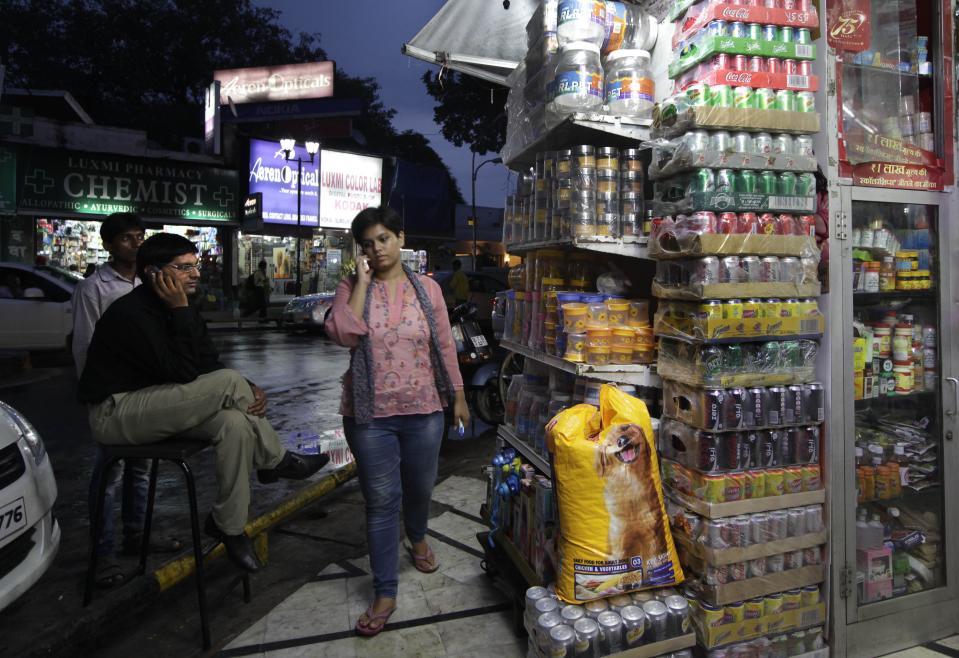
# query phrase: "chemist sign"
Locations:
[[73, 183], [349, 183], [277, 179]]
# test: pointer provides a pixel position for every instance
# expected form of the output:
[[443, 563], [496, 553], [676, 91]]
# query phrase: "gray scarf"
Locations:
[[362, 366]]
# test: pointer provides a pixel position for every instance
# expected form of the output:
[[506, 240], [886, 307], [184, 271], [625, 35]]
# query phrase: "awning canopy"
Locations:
[[475, 37]]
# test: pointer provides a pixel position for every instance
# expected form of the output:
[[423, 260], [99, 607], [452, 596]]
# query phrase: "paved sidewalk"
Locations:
[[455, 612], [945, 647]]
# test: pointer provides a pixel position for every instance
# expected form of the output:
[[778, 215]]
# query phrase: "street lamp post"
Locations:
[[288, 145], [475, 219]]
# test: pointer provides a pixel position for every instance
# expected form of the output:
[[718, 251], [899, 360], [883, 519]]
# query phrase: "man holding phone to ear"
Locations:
[[153, 372]]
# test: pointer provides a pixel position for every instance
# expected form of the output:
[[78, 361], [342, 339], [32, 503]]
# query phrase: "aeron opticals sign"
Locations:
[[276, 179], [276, 83]]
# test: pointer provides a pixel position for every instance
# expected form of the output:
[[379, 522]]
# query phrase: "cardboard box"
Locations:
[[668, 122], [667, 163], [715, 636], [720, 556], [875, 564], [877, 591], [782, 290], [769, 584], [751, 506], [693, 245]]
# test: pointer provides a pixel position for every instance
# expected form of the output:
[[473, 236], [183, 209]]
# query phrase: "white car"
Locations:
[[35, 307], [29, 533], [308, 311]]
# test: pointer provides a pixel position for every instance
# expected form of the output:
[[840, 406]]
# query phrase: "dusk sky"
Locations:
[[364, 37]]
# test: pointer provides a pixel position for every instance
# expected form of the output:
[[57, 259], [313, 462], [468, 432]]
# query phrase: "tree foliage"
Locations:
[[470, 111], [146, 63]]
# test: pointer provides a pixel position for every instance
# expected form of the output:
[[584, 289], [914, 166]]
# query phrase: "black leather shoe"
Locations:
[[293, 466], [239, 548]]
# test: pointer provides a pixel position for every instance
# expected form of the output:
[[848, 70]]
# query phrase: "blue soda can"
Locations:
[[738, 30], [717, 29], [770, 33]]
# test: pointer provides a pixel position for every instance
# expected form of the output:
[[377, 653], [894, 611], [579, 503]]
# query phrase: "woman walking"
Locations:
[[403, 371]]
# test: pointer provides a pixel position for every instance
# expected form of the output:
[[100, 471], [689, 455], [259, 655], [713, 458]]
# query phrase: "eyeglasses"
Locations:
[[185, 267], [132, 238]]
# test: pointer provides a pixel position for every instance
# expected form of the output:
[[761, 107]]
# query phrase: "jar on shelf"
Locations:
[[887, 274], [564, 163], [607, 157], [578, 80], [630, 89], [549, 164], [581, 20], [597, 356], [902, 342], [618, 312], [562, 192], [631, 225], [607, 203], [638, 313], [871, 276], [623, 337], [630, 203], [629, 160], [574, 317], [632, 181], [584, 158], [597, 315], [575, 347], [580, 271], [560, 225], [584, 224], [607, 181], [607, 225], [583, 181], [620, 355], [541, 216], [598, 336], [582, 203]]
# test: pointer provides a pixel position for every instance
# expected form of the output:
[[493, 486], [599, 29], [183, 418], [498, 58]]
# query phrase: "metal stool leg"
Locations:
[[148, 521], [197, 553], [95, 531]]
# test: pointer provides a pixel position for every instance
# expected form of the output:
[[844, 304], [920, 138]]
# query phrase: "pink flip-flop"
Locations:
[[424, 560], [364, 628]]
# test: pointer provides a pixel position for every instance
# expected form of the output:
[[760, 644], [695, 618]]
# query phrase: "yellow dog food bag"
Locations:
[[614, 532]]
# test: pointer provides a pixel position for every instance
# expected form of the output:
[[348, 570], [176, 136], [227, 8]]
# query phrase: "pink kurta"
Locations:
[[402, 372]]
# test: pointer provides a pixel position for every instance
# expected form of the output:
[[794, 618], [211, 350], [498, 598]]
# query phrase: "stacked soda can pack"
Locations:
[[740, 438], [580, 192], [604, 627]]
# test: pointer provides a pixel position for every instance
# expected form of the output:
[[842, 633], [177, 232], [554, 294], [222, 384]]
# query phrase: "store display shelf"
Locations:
[[508, 550], [637, 375], [688, 161], [506, 434], [907, 494], [771, 583], [582, 128], [751, 506], [722, 556], [876, 297], [884, 70], [614, 246], [917, 398]]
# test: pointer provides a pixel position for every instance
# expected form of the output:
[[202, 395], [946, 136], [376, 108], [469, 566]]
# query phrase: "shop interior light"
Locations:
[[287, 144], [312, 148]]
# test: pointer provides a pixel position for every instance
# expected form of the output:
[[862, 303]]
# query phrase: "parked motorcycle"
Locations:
[[479, 359]]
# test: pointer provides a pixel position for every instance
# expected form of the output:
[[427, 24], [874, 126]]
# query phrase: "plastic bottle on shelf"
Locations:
[[537, 422], [581, 20], [874, 536], [862, 528], [630, 89], [887, 274], [512, 399], [578, 81], [523, 419]]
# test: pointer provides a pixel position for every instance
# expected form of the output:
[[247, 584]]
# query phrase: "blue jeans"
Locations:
[[396, 460], [134, 477]]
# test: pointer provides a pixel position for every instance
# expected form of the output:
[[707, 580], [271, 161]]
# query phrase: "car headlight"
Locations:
[[27, 432]]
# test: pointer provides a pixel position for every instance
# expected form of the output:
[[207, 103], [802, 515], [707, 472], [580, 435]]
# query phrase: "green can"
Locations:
[[712, 359], [721, 96], [770, 356], [787, 183], [704, 180], [805, 101], [768, 182], [746, 182], [764, 99], [744, 98], [697, 94], [806, 184], [803, 36], [786, 100], [756, 31], [792, 356], [786, 34], [734, 358]]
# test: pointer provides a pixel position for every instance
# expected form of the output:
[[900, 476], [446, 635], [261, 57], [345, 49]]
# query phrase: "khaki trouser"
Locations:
[[211, 407]]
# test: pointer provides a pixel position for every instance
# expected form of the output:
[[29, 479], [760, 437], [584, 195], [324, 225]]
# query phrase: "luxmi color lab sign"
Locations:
[[348, 184]]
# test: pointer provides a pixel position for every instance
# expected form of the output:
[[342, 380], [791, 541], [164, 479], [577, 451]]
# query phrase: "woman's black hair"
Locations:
[[160, 250], [371, 217], [118, 223]]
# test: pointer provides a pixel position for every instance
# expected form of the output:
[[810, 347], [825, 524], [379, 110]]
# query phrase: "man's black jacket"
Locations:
[[139, 342]]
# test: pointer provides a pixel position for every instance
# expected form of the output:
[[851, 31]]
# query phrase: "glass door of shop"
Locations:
[[898, 584]]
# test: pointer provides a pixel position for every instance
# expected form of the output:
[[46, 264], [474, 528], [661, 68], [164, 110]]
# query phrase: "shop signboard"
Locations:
[[8, 181], [349, 183], [71, 183], [849, 25], [287, 82], [898, 176], [301, 109], [276, 179], [252, 219]]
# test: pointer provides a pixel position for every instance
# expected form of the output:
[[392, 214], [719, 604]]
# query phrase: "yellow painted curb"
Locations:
[[171, 573]]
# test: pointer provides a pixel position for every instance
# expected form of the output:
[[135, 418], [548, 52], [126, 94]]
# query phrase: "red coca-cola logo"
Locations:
[[742, 12], [739, 76]]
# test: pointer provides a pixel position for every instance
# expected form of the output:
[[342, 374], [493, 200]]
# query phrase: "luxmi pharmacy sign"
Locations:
[[75, 183], [276, 83]]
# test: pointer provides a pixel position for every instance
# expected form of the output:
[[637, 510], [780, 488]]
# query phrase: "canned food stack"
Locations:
[[721, 320], [604, 627]]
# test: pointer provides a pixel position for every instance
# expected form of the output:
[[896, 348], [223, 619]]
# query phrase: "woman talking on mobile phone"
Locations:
[[403, 371]]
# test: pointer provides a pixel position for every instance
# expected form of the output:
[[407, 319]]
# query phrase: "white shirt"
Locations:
[[91, 298]]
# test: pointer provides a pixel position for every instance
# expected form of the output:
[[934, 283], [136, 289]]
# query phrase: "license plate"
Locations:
[[479, 341], [13, 517]]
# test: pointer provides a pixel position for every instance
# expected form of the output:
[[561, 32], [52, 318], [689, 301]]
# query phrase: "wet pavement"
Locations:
[[301, 374]]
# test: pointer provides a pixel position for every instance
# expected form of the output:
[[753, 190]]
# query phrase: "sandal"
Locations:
[[424, 563], [365, 628], [131, 545], [109, 574]]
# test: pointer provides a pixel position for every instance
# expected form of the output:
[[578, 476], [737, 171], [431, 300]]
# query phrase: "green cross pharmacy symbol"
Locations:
[[224, 196], [38, 181]]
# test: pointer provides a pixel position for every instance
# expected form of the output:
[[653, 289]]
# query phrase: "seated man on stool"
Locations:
[[153, 373]]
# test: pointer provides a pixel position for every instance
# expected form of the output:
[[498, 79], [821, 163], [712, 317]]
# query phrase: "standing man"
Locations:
[[261, 291], [459, 284], [122, 234]]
